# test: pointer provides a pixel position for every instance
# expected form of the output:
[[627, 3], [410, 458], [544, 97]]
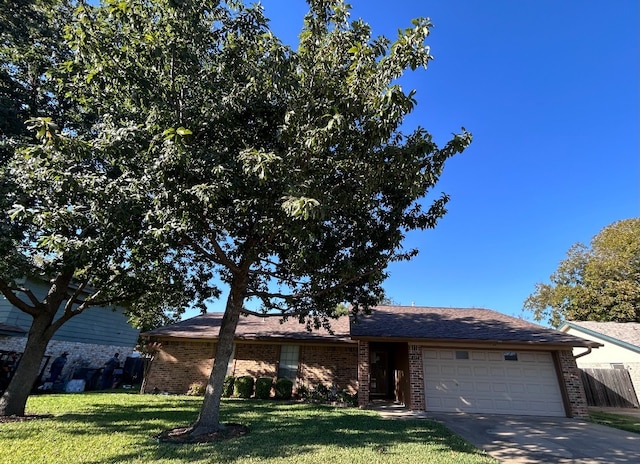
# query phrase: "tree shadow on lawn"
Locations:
[[276, 430]]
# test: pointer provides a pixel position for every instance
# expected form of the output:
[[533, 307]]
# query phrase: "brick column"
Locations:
[[363, 373], [570, 375], [416, 379]]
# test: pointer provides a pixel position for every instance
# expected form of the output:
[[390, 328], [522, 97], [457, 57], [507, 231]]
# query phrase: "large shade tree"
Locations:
[[71, 219], [600, 282], [279, 174]]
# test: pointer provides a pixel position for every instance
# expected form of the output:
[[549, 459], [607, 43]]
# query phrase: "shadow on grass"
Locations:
[[276, 430]]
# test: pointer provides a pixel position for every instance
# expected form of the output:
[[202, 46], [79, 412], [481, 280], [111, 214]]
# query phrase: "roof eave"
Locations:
[[466, 341], [249, 338], [608, 338]]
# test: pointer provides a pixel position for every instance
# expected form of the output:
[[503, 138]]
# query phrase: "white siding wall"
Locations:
[[610, 353]]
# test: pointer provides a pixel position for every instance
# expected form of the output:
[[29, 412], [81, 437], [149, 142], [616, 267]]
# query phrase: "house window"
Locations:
[[510, 356], [462, 355], [288, 367]]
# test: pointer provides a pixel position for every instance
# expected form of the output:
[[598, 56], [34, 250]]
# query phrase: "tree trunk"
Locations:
[[209, 418], [15, 397]]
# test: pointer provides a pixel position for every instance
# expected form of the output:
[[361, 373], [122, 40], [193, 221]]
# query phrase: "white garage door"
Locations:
[[495, 382]]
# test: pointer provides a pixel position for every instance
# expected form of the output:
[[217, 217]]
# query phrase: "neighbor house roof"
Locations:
[[625, 334], [6, 329], [457, 324], [207, 326]]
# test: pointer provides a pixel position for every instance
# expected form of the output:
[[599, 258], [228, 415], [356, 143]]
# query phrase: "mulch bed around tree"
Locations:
[[183, 435], [26, 417]]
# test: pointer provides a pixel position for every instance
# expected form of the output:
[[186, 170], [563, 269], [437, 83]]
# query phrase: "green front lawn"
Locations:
[[619, 421], [102, 428]]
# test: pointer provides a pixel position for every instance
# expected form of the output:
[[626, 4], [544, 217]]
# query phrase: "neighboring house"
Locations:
[[621, 346], [434, 359], [90, 338]]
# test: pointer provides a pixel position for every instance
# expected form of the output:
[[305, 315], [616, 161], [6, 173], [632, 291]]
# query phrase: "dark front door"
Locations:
[[379, 373]]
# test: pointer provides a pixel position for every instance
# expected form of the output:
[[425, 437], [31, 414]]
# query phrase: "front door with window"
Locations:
[[379, 384]]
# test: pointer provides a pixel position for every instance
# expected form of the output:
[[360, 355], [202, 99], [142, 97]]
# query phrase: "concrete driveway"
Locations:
[[527, 439]]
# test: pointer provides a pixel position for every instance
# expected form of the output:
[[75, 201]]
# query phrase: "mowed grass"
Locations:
[[117, 428], [618, 421]]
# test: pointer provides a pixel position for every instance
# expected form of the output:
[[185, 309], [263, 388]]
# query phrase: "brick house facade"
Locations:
[[181, 363], [382, 356]]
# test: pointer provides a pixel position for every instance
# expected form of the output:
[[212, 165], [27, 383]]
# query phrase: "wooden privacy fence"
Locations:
[[609, 387]]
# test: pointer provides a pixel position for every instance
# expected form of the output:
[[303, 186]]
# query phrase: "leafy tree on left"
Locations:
[[72, 212]]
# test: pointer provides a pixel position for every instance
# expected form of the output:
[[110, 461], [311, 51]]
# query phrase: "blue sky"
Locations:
[[550, 91]]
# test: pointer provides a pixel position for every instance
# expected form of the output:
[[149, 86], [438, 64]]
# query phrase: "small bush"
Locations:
[[302, 392], [319, 394], [243, 386], [227, 386], [263, 388], [284, 388], [196, 389], [348, 398]]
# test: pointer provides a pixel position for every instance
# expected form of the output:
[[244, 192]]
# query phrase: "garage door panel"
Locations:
[[487, 383], [484, 387], [446, 355], [448, 370]]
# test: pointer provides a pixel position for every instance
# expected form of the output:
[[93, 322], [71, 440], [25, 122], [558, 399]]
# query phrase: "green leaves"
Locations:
[[44, 127], [198, 134], [175, 135], [301, 207], [596, 283]]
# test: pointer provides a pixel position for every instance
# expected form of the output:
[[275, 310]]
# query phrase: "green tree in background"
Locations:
[[596, 283]]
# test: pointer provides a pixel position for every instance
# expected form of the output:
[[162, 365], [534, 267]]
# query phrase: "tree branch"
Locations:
[[69, 304], [29, 294], [218, 256], [299, 296], [8, 292]]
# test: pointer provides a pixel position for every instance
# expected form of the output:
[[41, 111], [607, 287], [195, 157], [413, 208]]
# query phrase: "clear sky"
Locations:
[[550, 91]]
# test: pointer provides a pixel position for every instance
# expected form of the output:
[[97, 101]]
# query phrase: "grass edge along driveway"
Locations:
[[105, 428], [617, 420]]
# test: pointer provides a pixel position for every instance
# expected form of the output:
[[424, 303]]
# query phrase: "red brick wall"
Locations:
[[178, 364], [416, 378], [363, 373], [573, 387], [329, 365], [256, 360]]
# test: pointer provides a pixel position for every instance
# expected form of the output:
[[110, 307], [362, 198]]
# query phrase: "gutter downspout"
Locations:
[[583, 354]]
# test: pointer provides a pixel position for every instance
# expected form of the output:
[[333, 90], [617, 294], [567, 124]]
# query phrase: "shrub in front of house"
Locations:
[[243, 386], [320, 394], [302, 392], [263, 388], [196, 389], [283, 389], [227, 386], [348, 398]]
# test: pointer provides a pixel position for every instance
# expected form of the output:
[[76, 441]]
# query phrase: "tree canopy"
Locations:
[[233, 158], [69, 217], [600, 282]]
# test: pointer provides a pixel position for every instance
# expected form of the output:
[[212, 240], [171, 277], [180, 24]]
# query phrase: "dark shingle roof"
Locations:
[[627, 332], [11, 329], [207, 326], [456, 324], [385, 322]]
